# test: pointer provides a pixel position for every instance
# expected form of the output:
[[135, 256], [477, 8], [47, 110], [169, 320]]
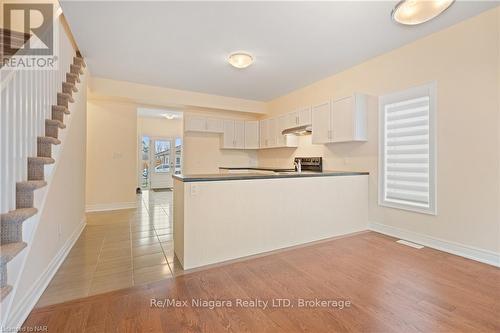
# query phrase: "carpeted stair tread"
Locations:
[[76, 69], [4, 291], [66, 96], [74, 76], [48, 139], [70, 86], [60, 108], [30, 185], [41, 160], [10, 250], [18, 215], [54, 122], [79, 61]]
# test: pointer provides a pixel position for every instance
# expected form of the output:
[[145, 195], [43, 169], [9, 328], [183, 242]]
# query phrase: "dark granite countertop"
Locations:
[[256, 175]]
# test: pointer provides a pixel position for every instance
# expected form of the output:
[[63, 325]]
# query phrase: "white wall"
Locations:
[[464, 61], [111, 155]]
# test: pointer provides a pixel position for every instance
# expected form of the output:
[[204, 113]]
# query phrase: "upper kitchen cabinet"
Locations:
[[203, 124], [268, 133], [341, 120], [300, 117], [349, 119], [252, 134], [321, 123], [233, 136]]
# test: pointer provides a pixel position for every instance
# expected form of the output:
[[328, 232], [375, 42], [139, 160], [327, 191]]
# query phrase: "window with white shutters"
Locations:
[[407, 150]]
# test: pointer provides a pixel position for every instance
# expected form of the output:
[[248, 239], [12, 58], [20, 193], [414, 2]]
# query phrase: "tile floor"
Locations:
[[118, 249]]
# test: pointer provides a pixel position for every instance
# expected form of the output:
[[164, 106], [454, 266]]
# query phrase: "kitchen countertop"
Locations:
[[256, 175], [258, 168]]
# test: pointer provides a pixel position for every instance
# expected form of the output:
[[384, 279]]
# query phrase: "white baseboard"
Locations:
[[466, 251], [22, 311], [110, 206]]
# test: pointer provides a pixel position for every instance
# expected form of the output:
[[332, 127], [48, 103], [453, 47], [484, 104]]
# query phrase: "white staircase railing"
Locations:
[[26, 99]]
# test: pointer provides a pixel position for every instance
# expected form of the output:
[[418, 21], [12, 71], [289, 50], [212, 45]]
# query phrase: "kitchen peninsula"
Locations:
[[219, 217]]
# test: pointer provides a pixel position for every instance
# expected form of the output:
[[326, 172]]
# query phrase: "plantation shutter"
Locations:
[[407, 152]]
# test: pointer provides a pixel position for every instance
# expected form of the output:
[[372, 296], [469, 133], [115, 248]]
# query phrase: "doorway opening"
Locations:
[[160, 148]]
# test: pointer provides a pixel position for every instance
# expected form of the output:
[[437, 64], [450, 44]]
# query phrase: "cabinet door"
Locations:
[[342, 122], [263, 133], [271, 132], [228, 140], [321, 115], [304, 116], [195, 124], [214, 125], [251, 134], [281, 124], [239, 134], [292, 120]]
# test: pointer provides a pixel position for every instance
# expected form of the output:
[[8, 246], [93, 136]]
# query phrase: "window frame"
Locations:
[[429, 89]]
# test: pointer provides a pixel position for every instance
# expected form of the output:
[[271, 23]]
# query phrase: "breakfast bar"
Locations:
[[220, 217]]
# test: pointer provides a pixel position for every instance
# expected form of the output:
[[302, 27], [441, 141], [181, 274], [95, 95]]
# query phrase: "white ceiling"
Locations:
[[184, 45]]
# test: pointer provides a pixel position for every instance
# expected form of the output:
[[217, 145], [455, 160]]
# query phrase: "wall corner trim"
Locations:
[[19, 314], [466, 251], [110, 206]]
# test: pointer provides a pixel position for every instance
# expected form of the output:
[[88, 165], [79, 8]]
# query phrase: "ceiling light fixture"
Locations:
[[413, 12], [169, 116], [240, 59]]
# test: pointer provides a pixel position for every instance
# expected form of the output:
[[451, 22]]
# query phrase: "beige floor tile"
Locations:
[[143, 234], [146, 249], [149, 260], [60, 295], [166, 238], [142, 227], [151, 274], [118, 249], [164, 231], [111, 282], [116, 245], [145, 241], [113, 266], [112, 254], [168, 251]]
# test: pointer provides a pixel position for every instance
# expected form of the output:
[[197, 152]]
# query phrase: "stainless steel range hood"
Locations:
[[299, 130]]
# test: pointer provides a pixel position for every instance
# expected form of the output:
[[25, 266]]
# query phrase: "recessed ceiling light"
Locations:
[[413, 12], [240, 59], [169, 116]]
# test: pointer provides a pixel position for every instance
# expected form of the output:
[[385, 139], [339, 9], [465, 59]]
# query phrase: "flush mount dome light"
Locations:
[[413, 12], [240, 59]]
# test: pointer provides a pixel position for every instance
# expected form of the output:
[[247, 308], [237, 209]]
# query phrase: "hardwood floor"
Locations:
[[391, 287]]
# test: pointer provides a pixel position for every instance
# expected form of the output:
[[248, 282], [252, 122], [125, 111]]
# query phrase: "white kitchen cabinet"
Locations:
[[214, 125], [341, 120], [268, 133], [281, 124], [251, 135], [203, 124], [304, 115], [321, 122], [263, 133], [233, 136], [348, 121], [300, 117]]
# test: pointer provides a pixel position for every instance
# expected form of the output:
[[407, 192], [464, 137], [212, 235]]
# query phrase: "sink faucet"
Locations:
[[298, 166]]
